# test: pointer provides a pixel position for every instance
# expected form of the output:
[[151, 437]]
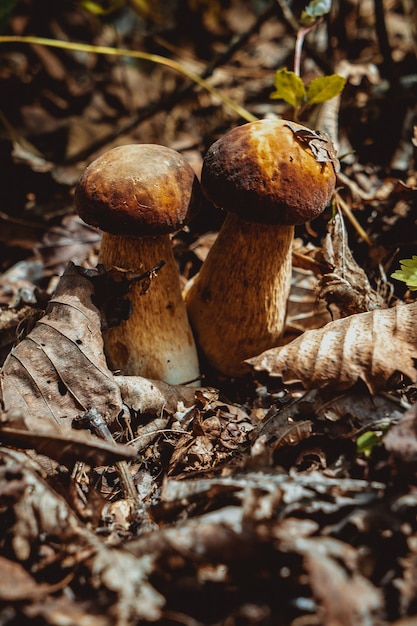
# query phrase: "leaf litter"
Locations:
[[253, 502], [217, 526]]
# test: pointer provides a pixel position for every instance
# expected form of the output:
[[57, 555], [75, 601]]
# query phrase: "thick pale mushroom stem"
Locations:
[[156, 340], [242, 311]]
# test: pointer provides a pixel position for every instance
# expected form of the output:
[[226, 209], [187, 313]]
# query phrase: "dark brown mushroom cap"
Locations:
[[138, 190], [264, 174]]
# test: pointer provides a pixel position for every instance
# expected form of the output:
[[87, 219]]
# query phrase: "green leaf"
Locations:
[[408, 273], [366, 442], [314, 10], [324, 88], [289, 87]]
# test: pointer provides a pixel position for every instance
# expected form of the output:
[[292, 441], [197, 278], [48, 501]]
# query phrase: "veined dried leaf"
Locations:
[[59, 370], [370, 346], [304, 310]]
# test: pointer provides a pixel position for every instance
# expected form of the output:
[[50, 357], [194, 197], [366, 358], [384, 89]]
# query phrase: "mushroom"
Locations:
[[269, 175], [137, 195]]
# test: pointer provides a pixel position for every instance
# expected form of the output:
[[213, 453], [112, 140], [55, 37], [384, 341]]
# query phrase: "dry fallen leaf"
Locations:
[[59, 370], [319, 143], [327, 283], [304, 309], [73, 240], [345, 289], [17, 583], [144, 395], [371, 347]]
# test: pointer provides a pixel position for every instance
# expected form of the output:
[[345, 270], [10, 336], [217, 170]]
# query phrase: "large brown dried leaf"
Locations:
[[59, 370], [371, 347]]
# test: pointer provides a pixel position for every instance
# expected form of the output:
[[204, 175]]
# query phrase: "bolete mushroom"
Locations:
[[269, 178], [137, 195]]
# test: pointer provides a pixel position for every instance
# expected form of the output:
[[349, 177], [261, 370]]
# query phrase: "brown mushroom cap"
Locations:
[[264, 174], [142, 190]]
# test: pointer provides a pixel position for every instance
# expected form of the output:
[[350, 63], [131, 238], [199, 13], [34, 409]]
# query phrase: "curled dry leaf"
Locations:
[[304, 310], [154, 396], [71, 240], [371, 347], [346, 288], [319, 143]]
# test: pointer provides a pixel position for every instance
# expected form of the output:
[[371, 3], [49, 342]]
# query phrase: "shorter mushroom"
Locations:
[[269, 178], [137, 195]]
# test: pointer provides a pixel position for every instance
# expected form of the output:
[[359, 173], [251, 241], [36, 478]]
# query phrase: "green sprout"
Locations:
[[315, 10], [289, 86], [408, 273], [368, 440]]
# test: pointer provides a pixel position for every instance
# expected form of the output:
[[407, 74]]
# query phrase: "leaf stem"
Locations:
[[302, 32]]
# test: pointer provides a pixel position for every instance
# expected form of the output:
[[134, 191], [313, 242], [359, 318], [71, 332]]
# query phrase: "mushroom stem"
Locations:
[[156, 340], [237, 303], [271, 175]]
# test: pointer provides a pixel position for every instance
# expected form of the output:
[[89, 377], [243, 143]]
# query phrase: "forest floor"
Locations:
[[287, 496]]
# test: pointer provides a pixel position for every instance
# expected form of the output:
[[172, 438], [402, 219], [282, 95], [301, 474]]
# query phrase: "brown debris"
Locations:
[[244, 502]]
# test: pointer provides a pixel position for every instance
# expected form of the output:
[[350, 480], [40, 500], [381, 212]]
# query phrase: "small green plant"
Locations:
[[408, 273], [315, 10], [366, 442], [289, 86]]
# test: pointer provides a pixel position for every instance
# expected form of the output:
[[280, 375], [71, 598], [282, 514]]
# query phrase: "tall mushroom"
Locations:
[[137, 195], [269, 177]]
